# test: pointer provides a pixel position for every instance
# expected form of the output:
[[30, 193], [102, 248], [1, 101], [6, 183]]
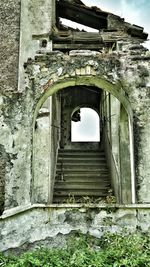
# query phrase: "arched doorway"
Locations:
[[104, 90], [85, 125]]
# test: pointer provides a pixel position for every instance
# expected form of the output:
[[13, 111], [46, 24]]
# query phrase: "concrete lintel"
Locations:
[[22, 209]]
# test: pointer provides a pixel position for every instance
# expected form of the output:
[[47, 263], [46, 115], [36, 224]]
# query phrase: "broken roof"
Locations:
[[94, 17]]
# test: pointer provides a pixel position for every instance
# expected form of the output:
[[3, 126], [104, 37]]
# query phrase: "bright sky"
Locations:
[[134, 11], [88, 129]]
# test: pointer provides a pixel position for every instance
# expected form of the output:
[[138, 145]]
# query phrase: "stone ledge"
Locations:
[[84, 53], [21, 209]]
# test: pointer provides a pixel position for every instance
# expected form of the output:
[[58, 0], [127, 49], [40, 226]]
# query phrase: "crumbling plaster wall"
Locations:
[[19, 20], [9, 58], [126, 71], [9, 48], [115, 116], [111, 117], [41, 152], [42, 226], [136, 74], [15, 144], [53, 71], [55, 138], [37, 18], [123, 74]]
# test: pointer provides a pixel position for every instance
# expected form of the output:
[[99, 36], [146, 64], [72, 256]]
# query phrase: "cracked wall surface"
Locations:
[[15, 137], [51, 227], [9, 48], [36, 19], [123, 72], [44, 76]]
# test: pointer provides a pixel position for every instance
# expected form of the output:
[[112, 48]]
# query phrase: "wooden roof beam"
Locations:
[[80, 14]]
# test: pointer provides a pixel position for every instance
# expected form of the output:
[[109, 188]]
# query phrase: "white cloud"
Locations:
[[134, 11]]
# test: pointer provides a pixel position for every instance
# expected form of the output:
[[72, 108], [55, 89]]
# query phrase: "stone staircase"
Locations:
[[81, 175]]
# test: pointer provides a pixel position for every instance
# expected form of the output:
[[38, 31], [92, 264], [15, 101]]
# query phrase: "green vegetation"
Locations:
[[115, 250]]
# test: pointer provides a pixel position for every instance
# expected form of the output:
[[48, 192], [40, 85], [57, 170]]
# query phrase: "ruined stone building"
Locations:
[[49, 72]]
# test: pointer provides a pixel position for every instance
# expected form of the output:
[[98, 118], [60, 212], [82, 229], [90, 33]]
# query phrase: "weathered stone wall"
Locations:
[[41, 226], [3, 161], [37, 18], [15, 139], [9, 48], [9, 60], [41, 151], [55, 138], [136, 79], [19, 20], [45, 76], [115, 113], [125, 74], [118, 73], [111, 116], [45, 148], [122, 68]]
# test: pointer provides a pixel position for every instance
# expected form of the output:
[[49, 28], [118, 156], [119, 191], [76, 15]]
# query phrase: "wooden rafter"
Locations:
[[82, 15]]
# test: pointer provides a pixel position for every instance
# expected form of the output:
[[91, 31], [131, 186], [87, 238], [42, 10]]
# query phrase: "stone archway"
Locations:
[[114, 89], [52, 87]]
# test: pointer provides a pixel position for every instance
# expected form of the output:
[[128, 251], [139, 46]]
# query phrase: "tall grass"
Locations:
[[117, 250]]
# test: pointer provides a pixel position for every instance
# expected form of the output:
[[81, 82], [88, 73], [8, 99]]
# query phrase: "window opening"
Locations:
[[44, 43], [76, 26], [85, 126]]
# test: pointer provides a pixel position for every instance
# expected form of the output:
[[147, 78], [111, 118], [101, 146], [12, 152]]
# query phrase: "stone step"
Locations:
[[81, 186], [84, 163], [81, 163], [79, 199], [78, 169], [78, 179], [81, 153], [85, 174], [81, 157], [81, 192], [81, 173], [73, 151]]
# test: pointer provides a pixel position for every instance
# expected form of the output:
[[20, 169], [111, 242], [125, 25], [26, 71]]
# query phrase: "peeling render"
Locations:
[[18, 117], [120, 69], [51, 226], [124, 86]]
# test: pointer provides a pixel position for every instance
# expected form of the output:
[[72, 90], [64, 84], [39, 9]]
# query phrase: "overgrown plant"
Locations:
[[116, 250]]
